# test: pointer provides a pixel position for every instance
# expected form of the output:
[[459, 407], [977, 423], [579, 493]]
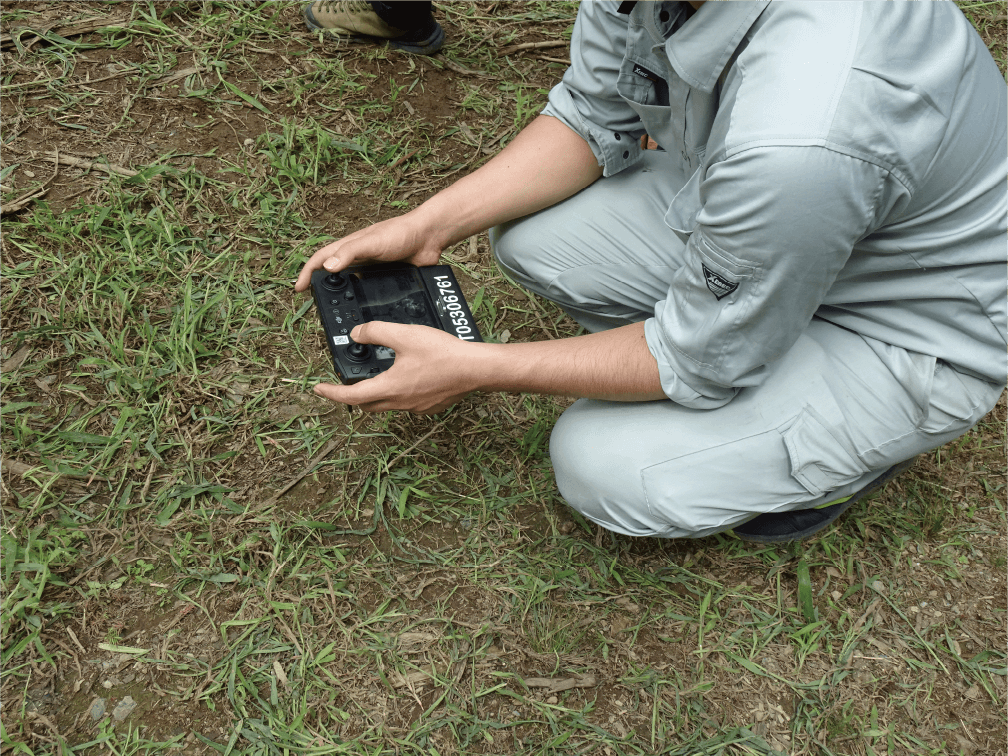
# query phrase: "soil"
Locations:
[[91, 678]]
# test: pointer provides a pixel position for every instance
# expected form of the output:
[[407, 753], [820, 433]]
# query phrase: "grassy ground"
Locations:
[[187, 530]]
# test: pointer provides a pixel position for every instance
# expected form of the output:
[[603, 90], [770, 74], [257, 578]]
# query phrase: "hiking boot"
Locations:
[[799, 524], [357, 20]]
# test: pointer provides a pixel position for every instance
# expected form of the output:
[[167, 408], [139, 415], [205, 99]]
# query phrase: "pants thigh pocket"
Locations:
[[819, 457], [958, 401]]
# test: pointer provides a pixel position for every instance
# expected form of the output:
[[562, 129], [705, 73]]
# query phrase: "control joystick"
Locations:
[[335, 281], [358, 352]]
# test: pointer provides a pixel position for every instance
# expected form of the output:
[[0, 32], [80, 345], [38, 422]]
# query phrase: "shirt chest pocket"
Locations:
[[659, 99]]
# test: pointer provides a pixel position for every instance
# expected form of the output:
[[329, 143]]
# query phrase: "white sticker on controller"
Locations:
[[448, 304], [341, 340]]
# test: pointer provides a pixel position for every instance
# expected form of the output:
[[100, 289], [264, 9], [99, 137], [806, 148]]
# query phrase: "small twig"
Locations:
[[47, 82], [329, 448], [403, 159], [88, 165], [23, 201], [173, 77], [56, 165], [534, 46], [146, 485], [416, 443], [289, 633], [89, 570], [87, 82], [864, 617], [554, 685], [535, 311], [26, 198], [460, 69], [22, 469], [46, 721], [70, 30], [73, 637], [84, 164]]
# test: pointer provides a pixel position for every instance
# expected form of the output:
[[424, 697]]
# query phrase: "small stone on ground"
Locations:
[[123, 709], [98, 709]]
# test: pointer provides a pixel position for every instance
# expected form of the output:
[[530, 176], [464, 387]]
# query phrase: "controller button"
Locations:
[[373, 371], [334, 301], [343, 331], [356, 370], [349, 295], [355, 317]]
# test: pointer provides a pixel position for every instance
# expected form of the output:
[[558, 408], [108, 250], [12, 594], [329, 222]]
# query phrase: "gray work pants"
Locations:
[[834, 413]]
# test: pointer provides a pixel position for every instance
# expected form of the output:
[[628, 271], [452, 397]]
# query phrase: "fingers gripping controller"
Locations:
[[396, 293]]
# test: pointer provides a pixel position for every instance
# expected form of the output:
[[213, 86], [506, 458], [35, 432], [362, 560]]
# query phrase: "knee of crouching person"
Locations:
[[603, 487], [519, 251], [502, 243]]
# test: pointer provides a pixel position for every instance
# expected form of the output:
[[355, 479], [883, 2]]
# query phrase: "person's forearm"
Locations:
[[614, 364], [545, 163]]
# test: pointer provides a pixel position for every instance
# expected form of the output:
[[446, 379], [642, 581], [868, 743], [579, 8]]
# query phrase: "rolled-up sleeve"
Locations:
[[586, 99], [776, 226]]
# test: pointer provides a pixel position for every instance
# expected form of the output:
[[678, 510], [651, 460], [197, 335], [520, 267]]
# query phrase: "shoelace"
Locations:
[[345, 6]]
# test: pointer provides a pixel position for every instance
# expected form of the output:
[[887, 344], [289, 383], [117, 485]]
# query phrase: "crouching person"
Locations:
[[802, 290]]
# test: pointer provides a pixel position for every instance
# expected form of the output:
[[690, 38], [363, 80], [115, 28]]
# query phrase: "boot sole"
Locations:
[[831, 513]]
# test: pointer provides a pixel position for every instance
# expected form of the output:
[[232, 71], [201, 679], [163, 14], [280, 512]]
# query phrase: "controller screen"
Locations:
[[395, 296]]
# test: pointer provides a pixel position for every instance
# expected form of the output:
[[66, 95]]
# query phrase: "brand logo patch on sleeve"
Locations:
[[719, 286]]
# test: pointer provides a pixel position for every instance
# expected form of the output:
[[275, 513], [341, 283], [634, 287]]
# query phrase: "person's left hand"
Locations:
[[429, 373]]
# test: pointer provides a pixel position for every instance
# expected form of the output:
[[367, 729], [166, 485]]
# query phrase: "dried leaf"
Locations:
[[281, 675], [16, 360], [416, 639], [409, 680], [555, 685], [627, 604]]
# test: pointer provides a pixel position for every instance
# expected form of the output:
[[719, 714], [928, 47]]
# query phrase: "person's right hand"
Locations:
[[402, 238]]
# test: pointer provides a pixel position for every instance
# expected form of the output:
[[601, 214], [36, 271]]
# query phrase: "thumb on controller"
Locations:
[[373, 332]]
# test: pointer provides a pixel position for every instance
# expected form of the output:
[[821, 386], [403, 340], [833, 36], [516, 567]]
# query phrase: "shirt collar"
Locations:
[[700, 50]]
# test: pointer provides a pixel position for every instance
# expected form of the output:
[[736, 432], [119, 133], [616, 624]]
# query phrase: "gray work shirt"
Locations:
[[848, 161]]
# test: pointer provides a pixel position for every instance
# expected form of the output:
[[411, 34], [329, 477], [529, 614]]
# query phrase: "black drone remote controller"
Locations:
[[393, 292]]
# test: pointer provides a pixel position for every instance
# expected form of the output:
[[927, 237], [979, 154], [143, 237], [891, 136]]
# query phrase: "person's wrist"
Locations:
[[434, 223], [480, 366]]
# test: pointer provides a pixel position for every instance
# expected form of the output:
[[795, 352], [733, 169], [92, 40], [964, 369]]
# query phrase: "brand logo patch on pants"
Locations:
[[719, 286]]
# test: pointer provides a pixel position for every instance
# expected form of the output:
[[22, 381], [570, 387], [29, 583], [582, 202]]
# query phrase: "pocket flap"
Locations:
[[682, 213], [819, 460]]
